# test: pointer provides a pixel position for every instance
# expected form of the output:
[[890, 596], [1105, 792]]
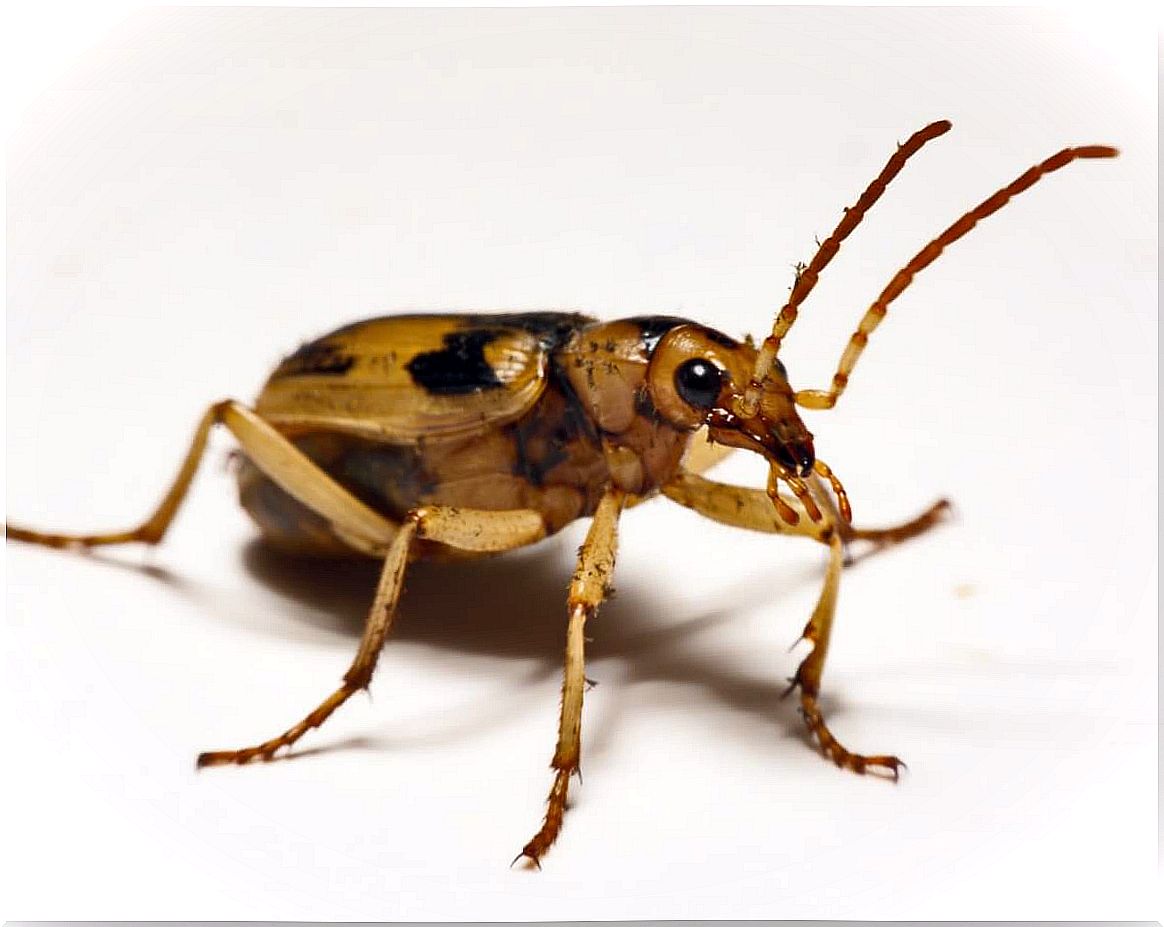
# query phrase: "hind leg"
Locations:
[[463, 529], [272, 453]]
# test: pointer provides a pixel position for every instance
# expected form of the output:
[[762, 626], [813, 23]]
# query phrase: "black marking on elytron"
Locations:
[[550, 328], [316, 358], [459, 368]]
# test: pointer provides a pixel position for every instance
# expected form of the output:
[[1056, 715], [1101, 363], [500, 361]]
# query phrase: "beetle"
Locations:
[[447, 436]]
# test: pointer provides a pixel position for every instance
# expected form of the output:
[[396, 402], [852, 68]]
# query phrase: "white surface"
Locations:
[[211, 187]]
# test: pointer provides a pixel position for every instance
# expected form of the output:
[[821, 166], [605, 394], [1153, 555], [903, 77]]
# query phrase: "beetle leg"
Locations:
[[880, 538], [739, 506], [743, 507], [359, 674], [464, 529], [273, 454], [701, 456], [591, 583], [808, 674]]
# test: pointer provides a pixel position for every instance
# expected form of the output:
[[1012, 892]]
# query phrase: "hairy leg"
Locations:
[[808, 675], [588, 588], [275, 456], [743, 507], [463, 529]]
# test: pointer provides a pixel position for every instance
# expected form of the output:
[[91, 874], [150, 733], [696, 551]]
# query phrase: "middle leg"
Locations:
[[590, 585]]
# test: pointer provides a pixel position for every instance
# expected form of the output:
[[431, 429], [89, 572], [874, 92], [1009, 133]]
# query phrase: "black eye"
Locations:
[[697, 381]]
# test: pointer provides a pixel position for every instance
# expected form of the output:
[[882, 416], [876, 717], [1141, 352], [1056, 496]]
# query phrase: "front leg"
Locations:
[[590, 585], [808, 674], [881, 538], [743, 507], [738, 506]]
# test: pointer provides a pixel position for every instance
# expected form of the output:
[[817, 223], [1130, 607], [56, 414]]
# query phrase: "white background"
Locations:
[[207, 188]]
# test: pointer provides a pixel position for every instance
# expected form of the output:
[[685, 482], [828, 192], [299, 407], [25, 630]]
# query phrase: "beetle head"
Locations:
[[697, 378]]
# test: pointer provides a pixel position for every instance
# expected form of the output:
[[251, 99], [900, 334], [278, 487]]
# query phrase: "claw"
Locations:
[[524, 855], [892, 763], [237, 757], [213, 759], [819, 733]]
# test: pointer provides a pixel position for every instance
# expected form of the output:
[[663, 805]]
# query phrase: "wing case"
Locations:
[[406, 378]]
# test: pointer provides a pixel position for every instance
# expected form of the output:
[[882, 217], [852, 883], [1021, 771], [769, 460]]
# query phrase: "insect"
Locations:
[[447, 436]]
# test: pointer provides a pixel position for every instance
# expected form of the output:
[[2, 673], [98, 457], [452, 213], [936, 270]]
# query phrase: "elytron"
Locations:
[[449, 436]]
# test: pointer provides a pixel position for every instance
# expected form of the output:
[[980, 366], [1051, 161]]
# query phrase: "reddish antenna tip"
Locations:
[[1096, 151], [934, 129]]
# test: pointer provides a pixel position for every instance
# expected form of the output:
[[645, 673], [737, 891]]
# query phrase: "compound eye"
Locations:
[[697, 382]]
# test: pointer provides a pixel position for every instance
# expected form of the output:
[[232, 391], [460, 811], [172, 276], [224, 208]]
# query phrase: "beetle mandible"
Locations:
[[415, 436]]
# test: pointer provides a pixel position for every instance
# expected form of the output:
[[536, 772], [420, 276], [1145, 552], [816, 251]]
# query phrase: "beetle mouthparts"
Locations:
[[797, 457], [793, 453]]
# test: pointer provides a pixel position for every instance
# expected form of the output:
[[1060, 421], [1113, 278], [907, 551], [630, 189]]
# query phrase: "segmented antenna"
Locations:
[[821, 399], [807, 276]]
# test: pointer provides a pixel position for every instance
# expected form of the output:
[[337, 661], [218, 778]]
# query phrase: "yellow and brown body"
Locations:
[[540, 411]]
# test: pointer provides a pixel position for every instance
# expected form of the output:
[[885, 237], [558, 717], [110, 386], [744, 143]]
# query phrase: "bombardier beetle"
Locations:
[[448, 436]]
